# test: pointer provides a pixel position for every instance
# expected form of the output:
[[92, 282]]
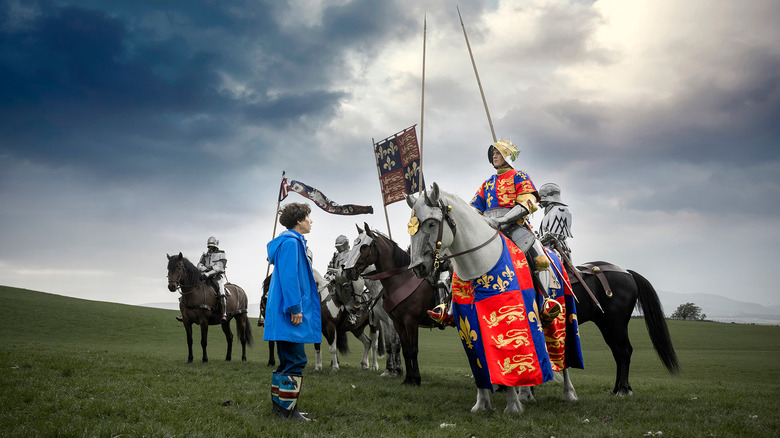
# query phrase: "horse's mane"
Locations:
[[191, 269], [400, 257]]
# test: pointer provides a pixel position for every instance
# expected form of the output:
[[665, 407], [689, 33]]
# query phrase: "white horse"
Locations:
[[474, 250], [393, 366]]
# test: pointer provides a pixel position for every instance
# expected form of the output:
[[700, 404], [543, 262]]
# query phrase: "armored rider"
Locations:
[[335, 274], [212, 265], [506, 199], [555, 227]]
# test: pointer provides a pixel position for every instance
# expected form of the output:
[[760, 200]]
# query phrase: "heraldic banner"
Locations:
[[320, 199], [398, 160], [498, 322]]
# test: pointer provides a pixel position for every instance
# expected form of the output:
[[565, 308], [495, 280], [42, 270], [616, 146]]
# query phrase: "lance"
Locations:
[[422, 102], [276, 217], [476, 73], [577, 274]]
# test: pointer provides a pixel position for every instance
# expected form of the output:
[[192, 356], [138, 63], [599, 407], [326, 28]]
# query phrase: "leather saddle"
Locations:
[[598, 269]]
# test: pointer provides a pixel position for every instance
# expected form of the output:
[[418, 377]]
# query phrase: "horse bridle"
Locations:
[[177, 282], [446, 216]]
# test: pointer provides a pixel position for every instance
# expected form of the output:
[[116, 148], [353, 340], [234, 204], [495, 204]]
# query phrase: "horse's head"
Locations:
[[429, 235], [176, 271], [362, 254]]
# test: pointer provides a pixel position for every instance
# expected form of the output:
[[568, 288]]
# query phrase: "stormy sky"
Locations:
[[134, 129]]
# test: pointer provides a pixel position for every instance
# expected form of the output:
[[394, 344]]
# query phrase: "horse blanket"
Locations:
[[497, 316]]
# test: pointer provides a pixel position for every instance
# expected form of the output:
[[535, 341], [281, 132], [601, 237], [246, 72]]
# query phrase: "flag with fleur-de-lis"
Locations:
[[398, 160]]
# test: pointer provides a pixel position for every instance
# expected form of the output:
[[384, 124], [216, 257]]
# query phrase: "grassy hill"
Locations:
[[84, 368]]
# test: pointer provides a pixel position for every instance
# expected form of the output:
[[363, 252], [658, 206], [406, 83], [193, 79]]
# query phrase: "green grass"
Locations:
[[83, 368]]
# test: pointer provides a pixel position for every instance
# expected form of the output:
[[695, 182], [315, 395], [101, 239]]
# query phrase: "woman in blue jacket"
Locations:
[[293, 308]]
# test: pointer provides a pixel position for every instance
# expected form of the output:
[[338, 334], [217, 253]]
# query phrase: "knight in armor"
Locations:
[[506, 199], [335, 274], [556, 224], [212, 266]]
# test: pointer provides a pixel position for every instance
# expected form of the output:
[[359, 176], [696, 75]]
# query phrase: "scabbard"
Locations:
[[577, 274]]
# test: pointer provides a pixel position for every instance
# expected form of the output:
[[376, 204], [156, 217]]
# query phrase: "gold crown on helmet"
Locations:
[[507, 149]]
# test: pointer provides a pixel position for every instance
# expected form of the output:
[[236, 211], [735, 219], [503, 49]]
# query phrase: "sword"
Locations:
[[577, 274]]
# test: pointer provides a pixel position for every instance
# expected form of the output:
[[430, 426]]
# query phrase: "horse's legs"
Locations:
[[374, 348], [513, 405], [318, 356], [366, 348], [408, 335], [204, 336], [413, 351], [228, 339], [569, 394], [483, 400], [525, 394], [334, 358], [271, 356], [392, 347], [242, 325], [188, 329], [615, 334]]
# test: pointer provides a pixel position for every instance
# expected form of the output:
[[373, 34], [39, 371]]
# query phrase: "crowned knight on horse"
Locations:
[[511, 298]]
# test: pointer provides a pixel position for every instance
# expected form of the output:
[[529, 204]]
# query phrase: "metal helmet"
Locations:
[[213, 241], [342, 243], [550, 193], [506, 148]]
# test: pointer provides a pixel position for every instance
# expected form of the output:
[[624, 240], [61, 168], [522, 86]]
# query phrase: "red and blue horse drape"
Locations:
[[498, 322]]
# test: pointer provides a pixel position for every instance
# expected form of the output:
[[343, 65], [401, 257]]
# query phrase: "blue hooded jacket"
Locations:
[[292, 290]]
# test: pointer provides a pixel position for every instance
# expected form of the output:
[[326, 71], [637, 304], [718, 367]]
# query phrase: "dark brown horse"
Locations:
[[198, 304], [406, 298]]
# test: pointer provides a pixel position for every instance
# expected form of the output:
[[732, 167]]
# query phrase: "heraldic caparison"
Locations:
[[506, 346], [502, 333]]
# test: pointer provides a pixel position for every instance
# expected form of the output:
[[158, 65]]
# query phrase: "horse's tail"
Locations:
[[655, 321], [242, 303], [250, 339], [342, 342]]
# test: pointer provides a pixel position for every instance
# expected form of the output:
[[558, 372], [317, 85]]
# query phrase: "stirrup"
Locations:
[[440, 315]]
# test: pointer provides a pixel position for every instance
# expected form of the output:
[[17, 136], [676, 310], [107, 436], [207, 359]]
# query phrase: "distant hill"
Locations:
[[718, 308]]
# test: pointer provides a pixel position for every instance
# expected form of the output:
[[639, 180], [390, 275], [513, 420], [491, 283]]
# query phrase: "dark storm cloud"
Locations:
[[121, 95]]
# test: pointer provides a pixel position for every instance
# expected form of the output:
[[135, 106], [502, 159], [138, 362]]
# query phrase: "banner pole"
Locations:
[[276, 220], [381, 190], [474, 64], [422, 103]]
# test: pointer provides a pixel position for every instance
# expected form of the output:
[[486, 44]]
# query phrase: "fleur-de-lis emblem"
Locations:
[[485, 280], [466, 333], [489, 199], [508, 273], [389, 164], [411, 171], [500, 285]]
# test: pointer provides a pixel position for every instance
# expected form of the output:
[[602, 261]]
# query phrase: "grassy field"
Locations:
[[83, 368]]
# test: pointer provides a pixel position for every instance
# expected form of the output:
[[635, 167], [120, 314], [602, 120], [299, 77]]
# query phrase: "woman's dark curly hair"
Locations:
[[293, 213]]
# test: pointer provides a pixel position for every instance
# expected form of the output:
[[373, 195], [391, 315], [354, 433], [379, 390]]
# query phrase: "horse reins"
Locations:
[[445, 211]]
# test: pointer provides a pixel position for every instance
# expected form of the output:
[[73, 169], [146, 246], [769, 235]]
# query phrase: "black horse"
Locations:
[[624, 291]]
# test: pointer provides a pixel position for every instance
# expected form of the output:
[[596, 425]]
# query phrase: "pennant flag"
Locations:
[[320, 199], [398, 160]]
